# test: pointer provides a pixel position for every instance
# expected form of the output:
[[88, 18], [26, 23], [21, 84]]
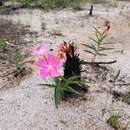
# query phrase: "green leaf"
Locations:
[[104, 49], [62, 84], [57, 95], [68, 80], [98, 37], [78, 82], [93, 39], [102, 38], [93, 47], [90, 52], [70, 89]]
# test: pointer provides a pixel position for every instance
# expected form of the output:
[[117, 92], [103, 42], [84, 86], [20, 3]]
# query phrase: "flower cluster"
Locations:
[[68, 83]]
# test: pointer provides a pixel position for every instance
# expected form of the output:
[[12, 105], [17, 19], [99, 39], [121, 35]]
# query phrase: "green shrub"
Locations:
[[51, 4]]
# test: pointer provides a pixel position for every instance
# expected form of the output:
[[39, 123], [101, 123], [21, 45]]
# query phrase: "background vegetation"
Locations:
[[51, 4]]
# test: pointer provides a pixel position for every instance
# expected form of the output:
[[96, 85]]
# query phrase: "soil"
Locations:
[[29, 106], [13, 35]]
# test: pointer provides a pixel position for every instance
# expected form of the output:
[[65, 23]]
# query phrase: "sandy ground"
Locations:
[[31, 107]]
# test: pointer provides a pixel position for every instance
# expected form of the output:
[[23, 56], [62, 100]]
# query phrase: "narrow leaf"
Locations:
[[90, 52], [70, 89], [93, 39], [57, 96], [104, 49], [91, 47]]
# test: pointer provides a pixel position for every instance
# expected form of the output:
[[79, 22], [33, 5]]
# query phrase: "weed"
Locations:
[[63, 85], [97, 48], [113, 121], [16, 58], [68, 84]]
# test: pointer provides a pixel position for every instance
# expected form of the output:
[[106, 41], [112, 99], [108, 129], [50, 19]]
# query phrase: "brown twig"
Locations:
[[97, 63], [125, 84], [91, 11]]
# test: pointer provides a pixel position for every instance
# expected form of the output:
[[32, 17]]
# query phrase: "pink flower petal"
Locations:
[[49, 67], [40, 51], [54, 60], [41, 63], [54, 73], [44, 74]]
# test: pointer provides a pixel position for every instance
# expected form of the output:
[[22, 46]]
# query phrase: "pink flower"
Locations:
[[40, 51], [49, 67]]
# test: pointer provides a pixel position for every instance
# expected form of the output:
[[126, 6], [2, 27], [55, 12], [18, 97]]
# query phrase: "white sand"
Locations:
[[31, 107]]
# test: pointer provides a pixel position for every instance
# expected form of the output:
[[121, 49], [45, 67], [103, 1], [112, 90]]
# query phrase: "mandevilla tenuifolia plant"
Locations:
[[50, 66], [97, 48]]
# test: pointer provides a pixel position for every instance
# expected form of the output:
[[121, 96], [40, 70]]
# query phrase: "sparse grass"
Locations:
[[113, 121]]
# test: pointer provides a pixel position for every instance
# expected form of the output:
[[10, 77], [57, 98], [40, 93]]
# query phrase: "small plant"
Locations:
[[2, 44], [97, 48], [16, 58], [50, 66], [62, 85], [113, 121]]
